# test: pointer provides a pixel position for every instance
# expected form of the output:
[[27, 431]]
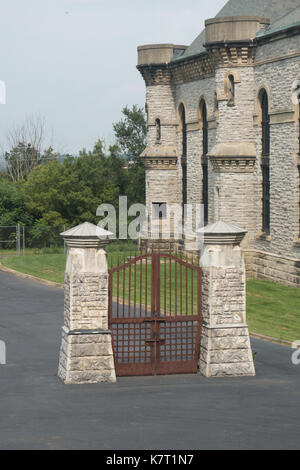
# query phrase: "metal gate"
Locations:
[[155, 315]]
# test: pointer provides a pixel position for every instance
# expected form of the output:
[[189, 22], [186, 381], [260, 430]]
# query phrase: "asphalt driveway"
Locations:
[[174, 412]]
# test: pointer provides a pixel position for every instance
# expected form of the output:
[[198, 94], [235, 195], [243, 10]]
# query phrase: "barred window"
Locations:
[[265, 162]]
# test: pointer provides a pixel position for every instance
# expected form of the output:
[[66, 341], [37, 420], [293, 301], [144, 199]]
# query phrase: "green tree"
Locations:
[[12, 203], [131, 132], [130, 135], [70, 192]]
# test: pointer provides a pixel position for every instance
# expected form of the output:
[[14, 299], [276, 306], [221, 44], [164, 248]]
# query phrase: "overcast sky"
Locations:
[[73, 62]]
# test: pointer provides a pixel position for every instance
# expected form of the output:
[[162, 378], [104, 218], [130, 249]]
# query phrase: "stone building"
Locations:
[[224, 129]]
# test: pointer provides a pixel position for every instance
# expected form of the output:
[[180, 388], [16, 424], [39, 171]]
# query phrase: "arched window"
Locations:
[[265, 161], [204, 163], [158, 130], [183, 153]]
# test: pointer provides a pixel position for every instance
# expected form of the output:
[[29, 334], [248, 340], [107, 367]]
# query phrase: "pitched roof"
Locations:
[[290, 19], [278, 11]]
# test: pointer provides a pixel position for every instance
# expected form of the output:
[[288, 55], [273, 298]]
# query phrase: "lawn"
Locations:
[[272, 309]]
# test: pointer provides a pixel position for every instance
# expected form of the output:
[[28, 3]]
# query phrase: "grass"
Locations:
[[49, 266], [272, 309]]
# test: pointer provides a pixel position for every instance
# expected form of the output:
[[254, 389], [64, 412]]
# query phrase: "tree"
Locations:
[[12, 203], [130, 136], [131, 132], [70, 192], [25, 143]]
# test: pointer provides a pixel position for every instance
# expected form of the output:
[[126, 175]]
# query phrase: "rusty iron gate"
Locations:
[[155, 315]]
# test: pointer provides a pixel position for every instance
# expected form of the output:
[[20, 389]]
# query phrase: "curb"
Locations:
[[32, 278], [282, 342]]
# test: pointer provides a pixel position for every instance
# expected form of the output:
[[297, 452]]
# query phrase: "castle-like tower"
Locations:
[[223, 130]]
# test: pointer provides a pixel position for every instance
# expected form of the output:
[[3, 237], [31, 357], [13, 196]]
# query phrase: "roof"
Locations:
[[287, 21], [86, 230], [280, 12], [222, 233]]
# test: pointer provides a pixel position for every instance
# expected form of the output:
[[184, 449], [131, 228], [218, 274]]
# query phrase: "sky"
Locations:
[[73, 62]]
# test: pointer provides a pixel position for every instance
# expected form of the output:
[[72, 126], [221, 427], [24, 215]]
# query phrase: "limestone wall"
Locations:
[[277, 67], [160, 105]]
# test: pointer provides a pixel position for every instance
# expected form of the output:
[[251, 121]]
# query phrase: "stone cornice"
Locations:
[[156, 74], [233, 164], [199, 67], [235, 54], [160, 157], [159, 163]]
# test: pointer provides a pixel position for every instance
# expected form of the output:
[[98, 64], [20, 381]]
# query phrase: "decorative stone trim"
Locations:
[[277, 117], [160, 163], [192, 69], [155, 74], [203, 66], [225, 326], [264, 236], [193, 126], [239, 54], [233, 164]]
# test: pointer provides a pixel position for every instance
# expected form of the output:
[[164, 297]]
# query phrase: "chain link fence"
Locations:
[[20, 240]]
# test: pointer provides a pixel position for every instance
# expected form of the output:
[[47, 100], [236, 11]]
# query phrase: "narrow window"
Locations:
[[204, 161], [184, 154], [158, 130], [265, 162], [231, 91]]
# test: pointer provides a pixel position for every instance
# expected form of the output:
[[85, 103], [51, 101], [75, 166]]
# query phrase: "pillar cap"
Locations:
[[222, 233], [86, 235]]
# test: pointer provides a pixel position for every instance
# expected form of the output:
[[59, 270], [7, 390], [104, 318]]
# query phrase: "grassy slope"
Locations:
[[49, 266], [272, 309]]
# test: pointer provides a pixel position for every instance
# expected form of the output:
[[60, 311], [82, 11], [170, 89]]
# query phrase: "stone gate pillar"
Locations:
[[225, 343], [86, 354]]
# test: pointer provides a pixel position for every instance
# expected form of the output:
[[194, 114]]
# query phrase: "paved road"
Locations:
[[176, 412]]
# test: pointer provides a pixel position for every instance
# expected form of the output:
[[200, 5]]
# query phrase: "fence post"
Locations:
[[23, 240], [225, 343], [18, 240], [86, 354]]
